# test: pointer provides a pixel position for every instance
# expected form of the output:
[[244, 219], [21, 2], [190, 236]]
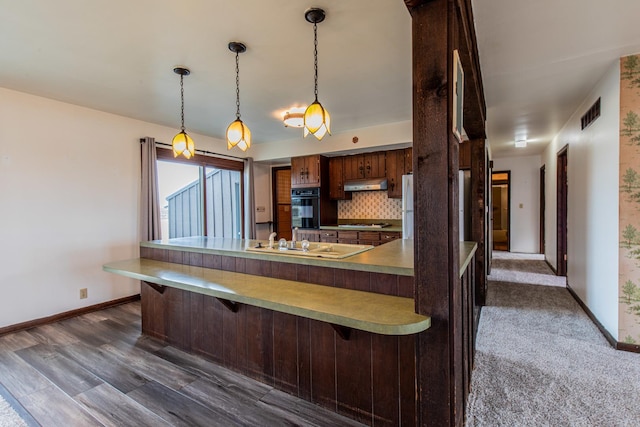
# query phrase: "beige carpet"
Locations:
[[540, 361]]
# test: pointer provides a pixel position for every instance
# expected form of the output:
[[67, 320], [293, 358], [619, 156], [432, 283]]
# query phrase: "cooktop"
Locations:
[[365, 225]]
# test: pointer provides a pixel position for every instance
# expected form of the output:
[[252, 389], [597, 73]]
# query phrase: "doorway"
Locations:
[[500, 205], [562, 211], [542, 208], [281, 179]]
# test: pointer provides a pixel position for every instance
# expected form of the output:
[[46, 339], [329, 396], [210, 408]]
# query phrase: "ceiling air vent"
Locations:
[[591, 115]]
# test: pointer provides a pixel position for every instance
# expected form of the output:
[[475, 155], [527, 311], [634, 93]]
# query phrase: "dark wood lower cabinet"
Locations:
[[368, 377]]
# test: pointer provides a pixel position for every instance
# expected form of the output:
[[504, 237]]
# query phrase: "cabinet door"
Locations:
[[312, 171], [329, 236], [389, 236], [408, 160], [374, 165], [395, 170], [336, 179], [297, 171], [353, 167], [349, 237]]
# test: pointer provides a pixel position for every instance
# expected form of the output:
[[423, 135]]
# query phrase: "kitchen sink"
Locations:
[[317, 250]]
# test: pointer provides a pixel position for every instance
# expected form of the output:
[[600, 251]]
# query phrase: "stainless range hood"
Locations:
[[365, 184]]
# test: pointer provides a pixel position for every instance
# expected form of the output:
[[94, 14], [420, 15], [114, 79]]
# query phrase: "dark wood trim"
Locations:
[[342, 331], [230, 305], [478, 216], [67, 315], [623, 346], [542, 207], [166, 154], [562, 209], [593, 318], [158, 288]]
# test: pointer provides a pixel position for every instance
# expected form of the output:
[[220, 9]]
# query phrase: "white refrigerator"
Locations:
[[407, 207]]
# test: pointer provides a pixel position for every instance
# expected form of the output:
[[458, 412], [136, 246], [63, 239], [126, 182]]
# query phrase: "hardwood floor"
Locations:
[[97, 370]]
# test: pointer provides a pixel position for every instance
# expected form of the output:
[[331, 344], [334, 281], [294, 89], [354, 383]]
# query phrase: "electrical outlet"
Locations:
[[83, 293]]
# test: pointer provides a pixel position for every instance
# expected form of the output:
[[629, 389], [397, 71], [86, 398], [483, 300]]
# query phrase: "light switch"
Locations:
[[521, 205]]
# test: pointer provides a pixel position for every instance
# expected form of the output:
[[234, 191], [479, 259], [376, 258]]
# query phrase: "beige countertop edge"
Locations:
[[467, 250], [297, 298], [381, 259]]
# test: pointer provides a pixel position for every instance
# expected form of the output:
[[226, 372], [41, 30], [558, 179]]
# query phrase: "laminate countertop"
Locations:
[[395, 257]]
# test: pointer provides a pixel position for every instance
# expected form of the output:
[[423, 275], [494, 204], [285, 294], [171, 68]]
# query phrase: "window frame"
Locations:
[[204, 161]]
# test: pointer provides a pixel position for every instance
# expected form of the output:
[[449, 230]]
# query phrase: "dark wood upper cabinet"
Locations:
[[368, 165], [336, 179], [375, 165], [305, 171], [395, 170]]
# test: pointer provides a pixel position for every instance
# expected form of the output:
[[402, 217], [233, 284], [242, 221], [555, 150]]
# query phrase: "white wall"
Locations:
[[386, 135], [593, 171], [525, 201], [69, 180]]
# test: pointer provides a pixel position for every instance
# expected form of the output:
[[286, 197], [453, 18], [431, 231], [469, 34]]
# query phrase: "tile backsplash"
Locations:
[[370, 205]]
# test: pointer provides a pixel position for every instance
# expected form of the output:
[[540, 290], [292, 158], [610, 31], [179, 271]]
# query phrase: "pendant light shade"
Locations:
[[317, 120], [238, 134], [182, 144]]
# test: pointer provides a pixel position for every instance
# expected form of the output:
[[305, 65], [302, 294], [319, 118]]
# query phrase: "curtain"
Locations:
[[249, 200], [150, 206]]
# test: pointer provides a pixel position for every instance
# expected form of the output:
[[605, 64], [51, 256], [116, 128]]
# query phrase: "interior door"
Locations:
[[281, 179], [501, 201], [562, 211]]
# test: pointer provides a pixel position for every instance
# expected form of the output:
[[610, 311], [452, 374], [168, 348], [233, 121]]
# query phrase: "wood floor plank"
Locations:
[[65, 373], [301, 412], [17, 407], [113, 408], [64, 376], [229, 401], [178, 409], [19, 377], [106, 366], [52, 334], [247, 387], [150, 366], [17, 341], [52, 407]]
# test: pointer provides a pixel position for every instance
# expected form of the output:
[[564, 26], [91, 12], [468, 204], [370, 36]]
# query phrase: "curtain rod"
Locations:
[[223, 156]]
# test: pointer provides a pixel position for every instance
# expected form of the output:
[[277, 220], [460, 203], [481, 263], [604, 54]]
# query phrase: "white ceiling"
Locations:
[[539, 59]]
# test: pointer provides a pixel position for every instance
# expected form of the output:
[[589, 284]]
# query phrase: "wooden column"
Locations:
[[436, 243]]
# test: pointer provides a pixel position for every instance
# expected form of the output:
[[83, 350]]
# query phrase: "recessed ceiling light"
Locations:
[[521, 143]]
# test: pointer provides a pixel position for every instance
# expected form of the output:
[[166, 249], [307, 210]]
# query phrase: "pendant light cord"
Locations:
[[182, 101], [237, 87], [315, 59]]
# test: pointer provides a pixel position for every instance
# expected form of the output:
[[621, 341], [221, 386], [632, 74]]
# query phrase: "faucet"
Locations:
[[294, 237], [272, 237]]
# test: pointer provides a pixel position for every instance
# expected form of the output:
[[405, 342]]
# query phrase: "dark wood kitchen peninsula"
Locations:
[[313, 351]]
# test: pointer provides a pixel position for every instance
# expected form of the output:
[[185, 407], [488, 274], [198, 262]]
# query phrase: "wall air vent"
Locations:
[[591, 115]]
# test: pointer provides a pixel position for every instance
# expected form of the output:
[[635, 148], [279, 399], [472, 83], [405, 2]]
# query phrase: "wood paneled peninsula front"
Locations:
[[337, 332]]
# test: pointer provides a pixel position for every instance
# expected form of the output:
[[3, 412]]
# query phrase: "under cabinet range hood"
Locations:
[[365, 184]]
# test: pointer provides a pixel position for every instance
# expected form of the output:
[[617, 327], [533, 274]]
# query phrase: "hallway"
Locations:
[[541, 361]]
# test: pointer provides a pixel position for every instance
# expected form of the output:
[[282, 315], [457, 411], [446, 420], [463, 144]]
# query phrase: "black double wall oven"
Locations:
[[312, 207]]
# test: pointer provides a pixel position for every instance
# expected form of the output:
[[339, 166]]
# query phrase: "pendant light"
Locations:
[[316, 119], [182, 143], [238, 134]]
